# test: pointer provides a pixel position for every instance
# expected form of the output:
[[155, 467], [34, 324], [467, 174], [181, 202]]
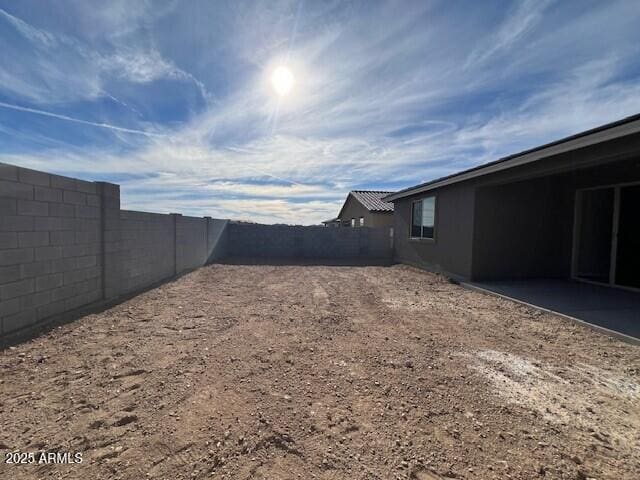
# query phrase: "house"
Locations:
[[364, 208], [564, 210], [334, 222]]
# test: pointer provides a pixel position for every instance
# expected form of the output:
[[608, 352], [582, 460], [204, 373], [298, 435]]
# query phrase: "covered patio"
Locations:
[[612, 309]]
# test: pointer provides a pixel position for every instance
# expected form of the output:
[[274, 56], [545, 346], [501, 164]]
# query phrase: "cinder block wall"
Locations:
[[191, 242], [284, 241], [50, 245], [216, 239], [65, 243], [148, 249]]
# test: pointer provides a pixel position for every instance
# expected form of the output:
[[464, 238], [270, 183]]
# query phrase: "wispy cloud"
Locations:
[[386, 96], [146, 66], [520, 20], [51, 54]]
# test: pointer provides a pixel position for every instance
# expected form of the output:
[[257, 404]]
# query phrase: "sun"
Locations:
[[282, 80]]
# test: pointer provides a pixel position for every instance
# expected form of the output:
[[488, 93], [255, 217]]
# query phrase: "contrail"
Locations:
[[125, 130], [78, 120]]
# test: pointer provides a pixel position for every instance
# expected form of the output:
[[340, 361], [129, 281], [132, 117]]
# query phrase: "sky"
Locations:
[[173, 99]]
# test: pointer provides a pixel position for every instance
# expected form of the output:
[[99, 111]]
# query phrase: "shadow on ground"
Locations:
[[333, 262]]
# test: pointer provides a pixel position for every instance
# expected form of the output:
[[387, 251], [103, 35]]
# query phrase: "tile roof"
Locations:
[[372, 200]]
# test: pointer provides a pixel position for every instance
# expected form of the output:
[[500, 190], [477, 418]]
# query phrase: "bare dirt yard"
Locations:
[[299, 372]]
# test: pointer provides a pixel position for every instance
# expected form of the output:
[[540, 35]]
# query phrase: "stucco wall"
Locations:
[[450, 252], [517, 223], [523, 230], [354, 209]]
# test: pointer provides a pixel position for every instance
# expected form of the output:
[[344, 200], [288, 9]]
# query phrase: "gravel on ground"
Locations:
[[325, 372]]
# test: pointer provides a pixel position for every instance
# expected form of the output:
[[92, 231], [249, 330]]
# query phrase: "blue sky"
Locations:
[[173, 99]]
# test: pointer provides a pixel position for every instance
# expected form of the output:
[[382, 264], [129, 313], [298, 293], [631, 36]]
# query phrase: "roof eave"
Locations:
[[598, 135]]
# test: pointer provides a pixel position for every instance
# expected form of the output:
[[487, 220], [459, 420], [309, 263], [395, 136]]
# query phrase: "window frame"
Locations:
[[435, 220], [361, 222], [353, 222]]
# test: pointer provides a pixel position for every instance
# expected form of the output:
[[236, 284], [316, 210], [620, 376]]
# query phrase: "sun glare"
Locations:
[[282, 80]]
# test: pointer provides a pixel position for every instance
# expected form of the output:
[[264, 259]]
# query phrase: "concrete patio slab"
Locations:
[[602, 307]]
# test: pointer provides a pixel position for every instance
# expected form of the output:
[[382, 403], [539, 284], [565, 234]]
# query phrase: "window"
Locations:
[[362, 221], [423, 218], [353, 222]]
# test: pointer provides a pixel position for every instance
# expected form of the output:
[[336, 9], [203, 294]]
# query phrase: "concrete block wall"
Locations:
[[145, 248], [112, 239], [191, 242], [217, 246], [65, 243], [50, 246], [284, 241], [148, 249]]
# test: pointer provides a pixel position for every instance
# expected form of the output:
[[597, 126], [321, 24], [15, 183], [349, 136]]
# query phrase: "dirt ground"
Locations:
[[316, 372]]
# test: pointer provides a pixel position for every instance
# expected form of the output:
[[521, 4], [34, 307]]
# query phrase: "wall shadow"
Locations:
[[46, 325], [331, 262]]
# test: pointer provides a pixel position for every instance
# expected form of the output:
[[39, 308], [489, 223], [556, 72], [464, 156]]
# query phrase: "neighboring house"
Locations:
[[364, 208], [334, 222], [568, 209]]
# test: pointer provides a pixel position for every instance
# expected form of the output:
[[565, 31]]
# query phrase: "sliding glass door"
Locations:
[[628, 238], [606, 247], [595, 214]]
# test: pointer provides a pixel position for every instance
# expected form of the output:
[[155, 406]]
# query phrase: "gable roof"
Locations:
[[609, 131], [372, 200]]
